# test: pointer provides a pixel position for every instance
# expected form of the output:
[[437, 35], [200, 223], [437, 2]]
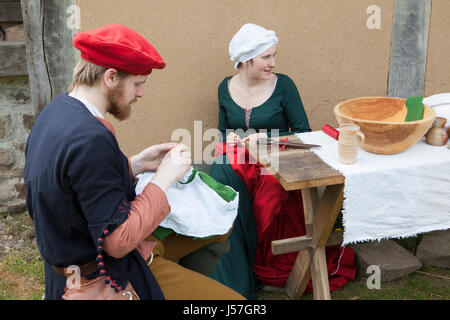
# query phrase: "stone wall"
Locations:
[[16, 120]]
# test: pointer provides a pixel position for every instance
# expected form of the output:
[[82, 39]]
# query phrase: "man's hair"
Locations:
[[87, 73]]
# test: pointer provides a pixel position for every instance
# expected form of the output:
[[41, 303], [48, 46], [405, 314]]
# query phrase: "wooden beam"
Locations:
[[300, 275], [324, 218], [409, 47], [50, 54], [291, 244], [303, 243], [13, 58], [319, 274], [10, 12], [326, 214], [310, 200]]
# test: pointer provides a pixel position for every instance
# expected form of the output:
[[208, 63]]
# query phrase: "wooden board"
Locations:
[[296, 169], [306, 170]]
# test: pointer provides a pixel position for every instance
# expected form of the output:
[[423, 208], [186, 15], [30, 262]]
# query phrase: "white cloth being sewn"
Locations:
[[196, 209]]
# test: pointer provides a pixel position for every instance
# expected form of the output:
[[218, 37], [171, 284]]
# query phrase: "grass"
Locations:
[[415, 286], [421, 285], [22, 273], [21, 265]]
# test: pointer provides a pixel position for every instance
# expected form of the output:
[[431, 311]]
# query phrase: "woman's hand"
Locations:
[[233, 139], [254, 137], [150, 158]]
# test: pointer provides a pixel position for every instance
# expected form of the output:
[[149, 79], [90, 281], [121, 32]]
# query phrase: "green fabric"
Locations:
[[225, 192], [415, 108], [235, 269], [204, 260], [283, 110], [161, 233]]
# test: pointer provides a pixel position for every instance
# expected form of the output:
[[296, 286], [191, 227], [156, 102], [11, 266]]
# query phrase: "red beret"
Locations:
[[119, 47]]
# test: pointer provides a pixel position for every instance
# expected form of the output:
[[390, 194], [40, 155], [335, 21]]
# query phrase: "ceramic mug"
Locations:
[[436, 135], [350, 138]]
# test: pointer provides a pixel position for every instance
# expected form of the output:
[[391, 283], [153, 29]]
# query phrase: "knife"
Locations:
[[293, 145]]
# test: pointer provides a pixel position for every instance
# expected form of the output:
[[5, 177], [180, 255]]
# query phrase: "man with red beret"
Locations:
[[80, 191]]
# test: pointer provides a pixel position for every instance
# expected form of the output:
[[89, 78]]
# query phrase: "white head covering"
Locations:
[[250, 41]]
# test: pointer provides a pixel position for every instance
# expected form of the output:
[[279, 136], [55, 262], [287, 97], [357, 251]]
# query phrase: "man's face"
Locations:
[[125, 93]]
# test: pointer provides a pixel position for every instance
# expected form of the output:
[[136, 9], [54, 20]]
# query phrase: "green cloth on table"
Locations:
[[415, 108]]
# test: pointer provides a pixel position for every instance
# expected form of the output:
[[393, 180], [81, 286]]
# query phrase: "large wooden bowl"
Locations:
[[381, 119]]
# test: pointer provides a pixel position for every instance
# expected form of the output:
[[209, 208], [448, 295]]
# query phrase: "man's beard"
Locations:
[[116, 108]]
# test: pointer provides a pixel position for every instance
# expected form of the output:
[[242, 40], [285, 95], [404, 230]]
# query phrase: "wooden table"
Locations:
[[298, 169]]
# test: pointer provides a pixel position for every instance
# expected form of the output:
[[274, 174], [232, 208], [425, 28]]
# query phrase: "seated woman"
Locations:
[[257, 103]]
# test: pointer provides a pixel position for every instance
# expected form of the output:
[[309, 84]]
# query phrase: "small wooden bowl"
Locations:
[[381, 119]]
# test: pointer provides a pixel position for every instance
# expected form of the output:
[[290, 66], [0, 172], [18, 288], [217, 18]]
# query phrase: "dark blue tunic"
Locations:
[[78, 184]]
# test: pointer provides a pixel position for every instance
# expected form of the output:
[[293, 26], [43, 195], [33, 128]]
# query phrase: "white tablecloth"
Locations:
[[391, 196]]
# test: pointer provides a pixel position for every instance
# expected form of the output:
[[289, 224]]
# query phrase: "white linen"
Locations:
[[440, 104], [92, 109], [250, 41], [196, 210], [391, 196]]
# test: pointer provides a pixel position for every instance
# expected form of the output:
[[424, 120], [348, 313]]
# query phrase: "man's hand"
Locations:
[[175, 164], [150, 158]]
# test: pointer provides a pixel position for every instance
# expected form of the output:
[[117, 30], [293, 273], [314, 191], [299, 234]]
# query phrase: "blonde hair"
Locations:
[[87, 73]]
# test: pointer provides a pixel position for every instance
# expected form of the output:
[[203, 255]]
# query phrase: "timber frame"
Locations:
[[50, 54]]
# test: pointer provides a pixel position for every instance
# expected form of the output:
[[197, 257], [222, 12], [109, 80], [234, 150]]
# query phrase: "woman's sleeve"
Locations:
[[223, 124], [294, 110]]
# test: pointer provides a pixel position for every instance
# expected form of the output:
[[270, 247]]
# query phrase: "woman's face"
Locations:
[[263, 64]]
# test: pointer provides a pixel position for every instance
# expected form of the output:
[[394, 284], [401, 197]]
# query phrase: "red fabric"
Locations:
[[329, 130], [119, 47], [278, 215]]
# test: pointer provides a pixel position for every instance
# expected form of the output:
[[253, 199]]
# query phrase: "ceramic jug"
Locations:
[[437, 136], [350, 138]]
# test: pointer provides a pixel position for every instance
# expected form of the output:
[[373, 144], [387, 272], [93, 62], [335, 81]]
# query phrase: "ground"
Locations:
[[22, 273]]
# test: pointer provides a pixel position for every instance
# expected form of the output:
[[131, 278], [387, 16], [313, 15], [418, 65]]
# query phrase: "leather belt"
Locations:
[[85, 269]]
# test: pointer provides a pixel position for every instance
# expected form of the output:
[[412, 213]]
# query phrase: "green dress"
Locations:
[[283, 111]]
